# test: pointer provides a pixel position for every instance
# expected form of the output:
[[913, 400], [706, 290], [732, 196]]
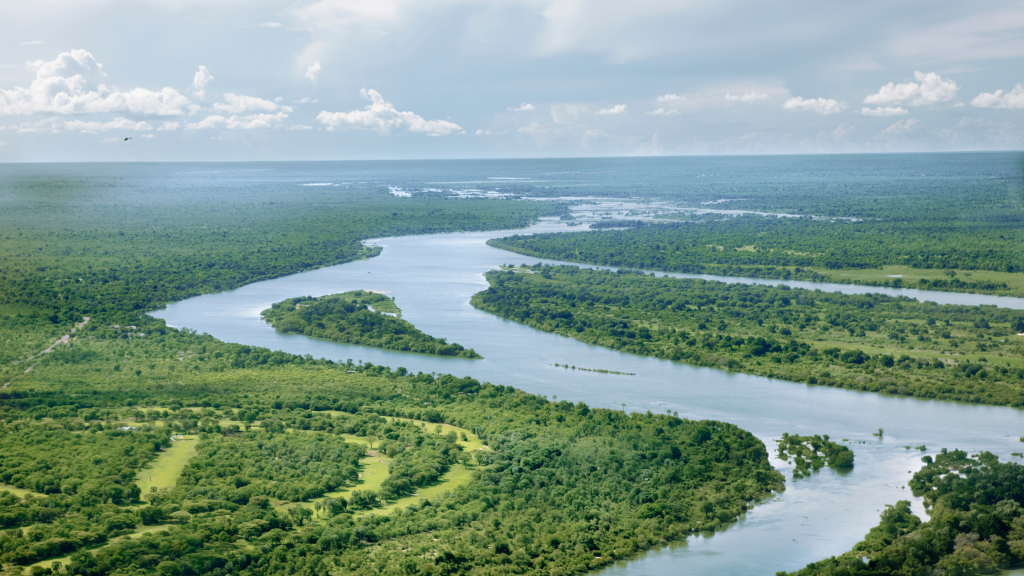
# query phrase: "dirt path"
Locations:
[[65, 339]]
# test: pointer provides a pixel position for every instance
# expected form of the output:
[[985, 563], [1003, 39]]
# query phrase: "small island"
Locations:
[[358, 317], [813, 453]]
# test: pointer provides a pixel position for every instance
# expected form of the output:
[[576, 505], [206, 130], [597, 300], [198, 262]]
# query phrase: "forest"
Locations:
[[976, 525], [274, 484], [358, 317], [866, 342]]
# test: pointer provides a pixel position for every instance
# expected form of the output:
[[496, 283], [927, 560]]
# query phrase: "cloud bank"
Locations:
[[73, 84], [382, 116]]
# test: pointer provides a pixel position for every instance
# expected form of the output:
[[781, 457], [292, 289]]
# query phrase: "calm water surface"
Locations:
[[433, 277]]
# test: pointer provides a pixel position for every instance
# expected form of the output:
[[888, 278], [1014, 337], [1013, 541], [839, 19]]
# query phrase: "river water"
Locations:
[[432, 279]]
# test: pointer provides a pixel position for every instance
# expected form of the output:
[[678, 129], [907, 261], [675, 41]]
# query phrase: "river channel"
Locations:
[[432, 279]]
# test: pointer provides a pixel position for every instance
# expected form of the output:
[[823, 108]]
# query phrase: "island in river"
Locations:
[[358, 317]]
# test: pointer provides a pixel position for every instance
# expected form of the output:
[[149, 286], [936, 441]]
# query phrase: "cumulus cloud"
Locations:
[[928, 89], [73, 84], [238, 104], [903, 126], [381, 116], [999, 99], [883, 111], [170, 126], [524, 107], [752, 96], [671, 99], [664, 112], [306, 100], [200, 80], [617, 109], [313, 72], [482, 132], [236, 122], [824, 106]]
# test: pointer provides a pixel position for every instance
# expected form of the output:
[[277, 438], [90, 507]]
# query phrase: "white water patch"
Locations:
[[399, 192], [721, 200], [318, 184]]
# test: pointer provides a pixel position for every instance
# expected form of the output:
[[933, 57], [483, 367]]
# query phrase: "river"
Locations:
[[432, 279]]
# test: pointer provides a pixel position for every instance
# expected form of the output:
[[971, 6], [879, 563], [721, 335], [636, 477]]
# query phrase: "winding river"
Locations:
[[433, 277]]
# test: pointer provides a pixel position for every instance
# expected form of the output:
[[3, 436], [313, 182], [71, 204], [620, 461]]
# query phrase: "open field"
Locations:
[[165, 470]]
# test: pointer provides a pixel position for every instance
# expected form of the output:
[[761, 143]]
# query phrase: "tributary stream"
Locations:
[[432, 279]]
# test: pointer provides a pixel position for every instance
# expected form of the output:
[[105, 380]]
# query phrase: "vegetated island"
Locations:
[[869, 342], [976, 525], [358, 317], [813, 453]]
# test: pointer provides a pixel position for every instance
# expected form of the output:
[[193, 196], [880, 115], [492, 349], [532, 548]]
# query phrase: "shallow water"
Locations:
[[433, 277]]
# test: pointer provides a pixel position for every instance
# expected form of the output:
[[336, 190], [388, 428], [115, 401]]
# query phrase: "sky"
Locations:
[[191, 80]]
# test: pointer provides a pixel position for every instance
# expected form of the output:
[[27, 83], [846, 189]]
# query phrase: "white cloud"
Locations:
[[903, 126], [200, 80], [617, 109], [524, 107], [568, 113], [842, 130], [752, 96], [930, 88], [238, 104], [30, 43], [819, 105], [664, 112], [170, 126], [306, 100], [533, 128], [61, 125], [313, 72], [235, 122], [883, 111], [381, 116], [271, 24], [482, 132], [671, 99], [73, 84], [999, 99]]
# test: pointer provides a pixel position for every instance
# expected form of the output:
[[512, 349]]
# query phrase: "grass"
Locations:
[[166, 469], [20, 492], [910, 276]]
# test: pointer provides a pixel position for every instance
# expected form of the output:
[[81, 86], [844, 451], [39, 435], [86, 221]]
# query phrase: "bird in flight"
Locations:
[[128, 138]]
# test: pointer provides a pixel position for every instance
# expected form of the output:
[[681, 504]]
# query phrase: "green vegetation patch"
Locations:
[[932, 235], [976, 525], [348, 318], [866, 342], [812, 453], [474, 477]]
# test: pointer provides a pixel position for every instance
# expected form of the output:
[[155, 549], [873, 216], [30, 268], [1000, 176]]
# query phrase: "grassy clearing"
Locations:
[[166, 469], [20, 492], [911, 276]]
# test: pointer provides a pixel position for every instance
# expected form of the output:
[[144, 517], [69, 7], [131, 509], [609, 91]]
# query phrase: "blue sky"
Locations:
[[357, 79]]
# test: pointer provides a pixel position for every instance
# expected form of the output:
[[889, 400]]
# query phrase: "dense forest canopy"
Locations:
[[358, 317], [863, 342], [560, 487]]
